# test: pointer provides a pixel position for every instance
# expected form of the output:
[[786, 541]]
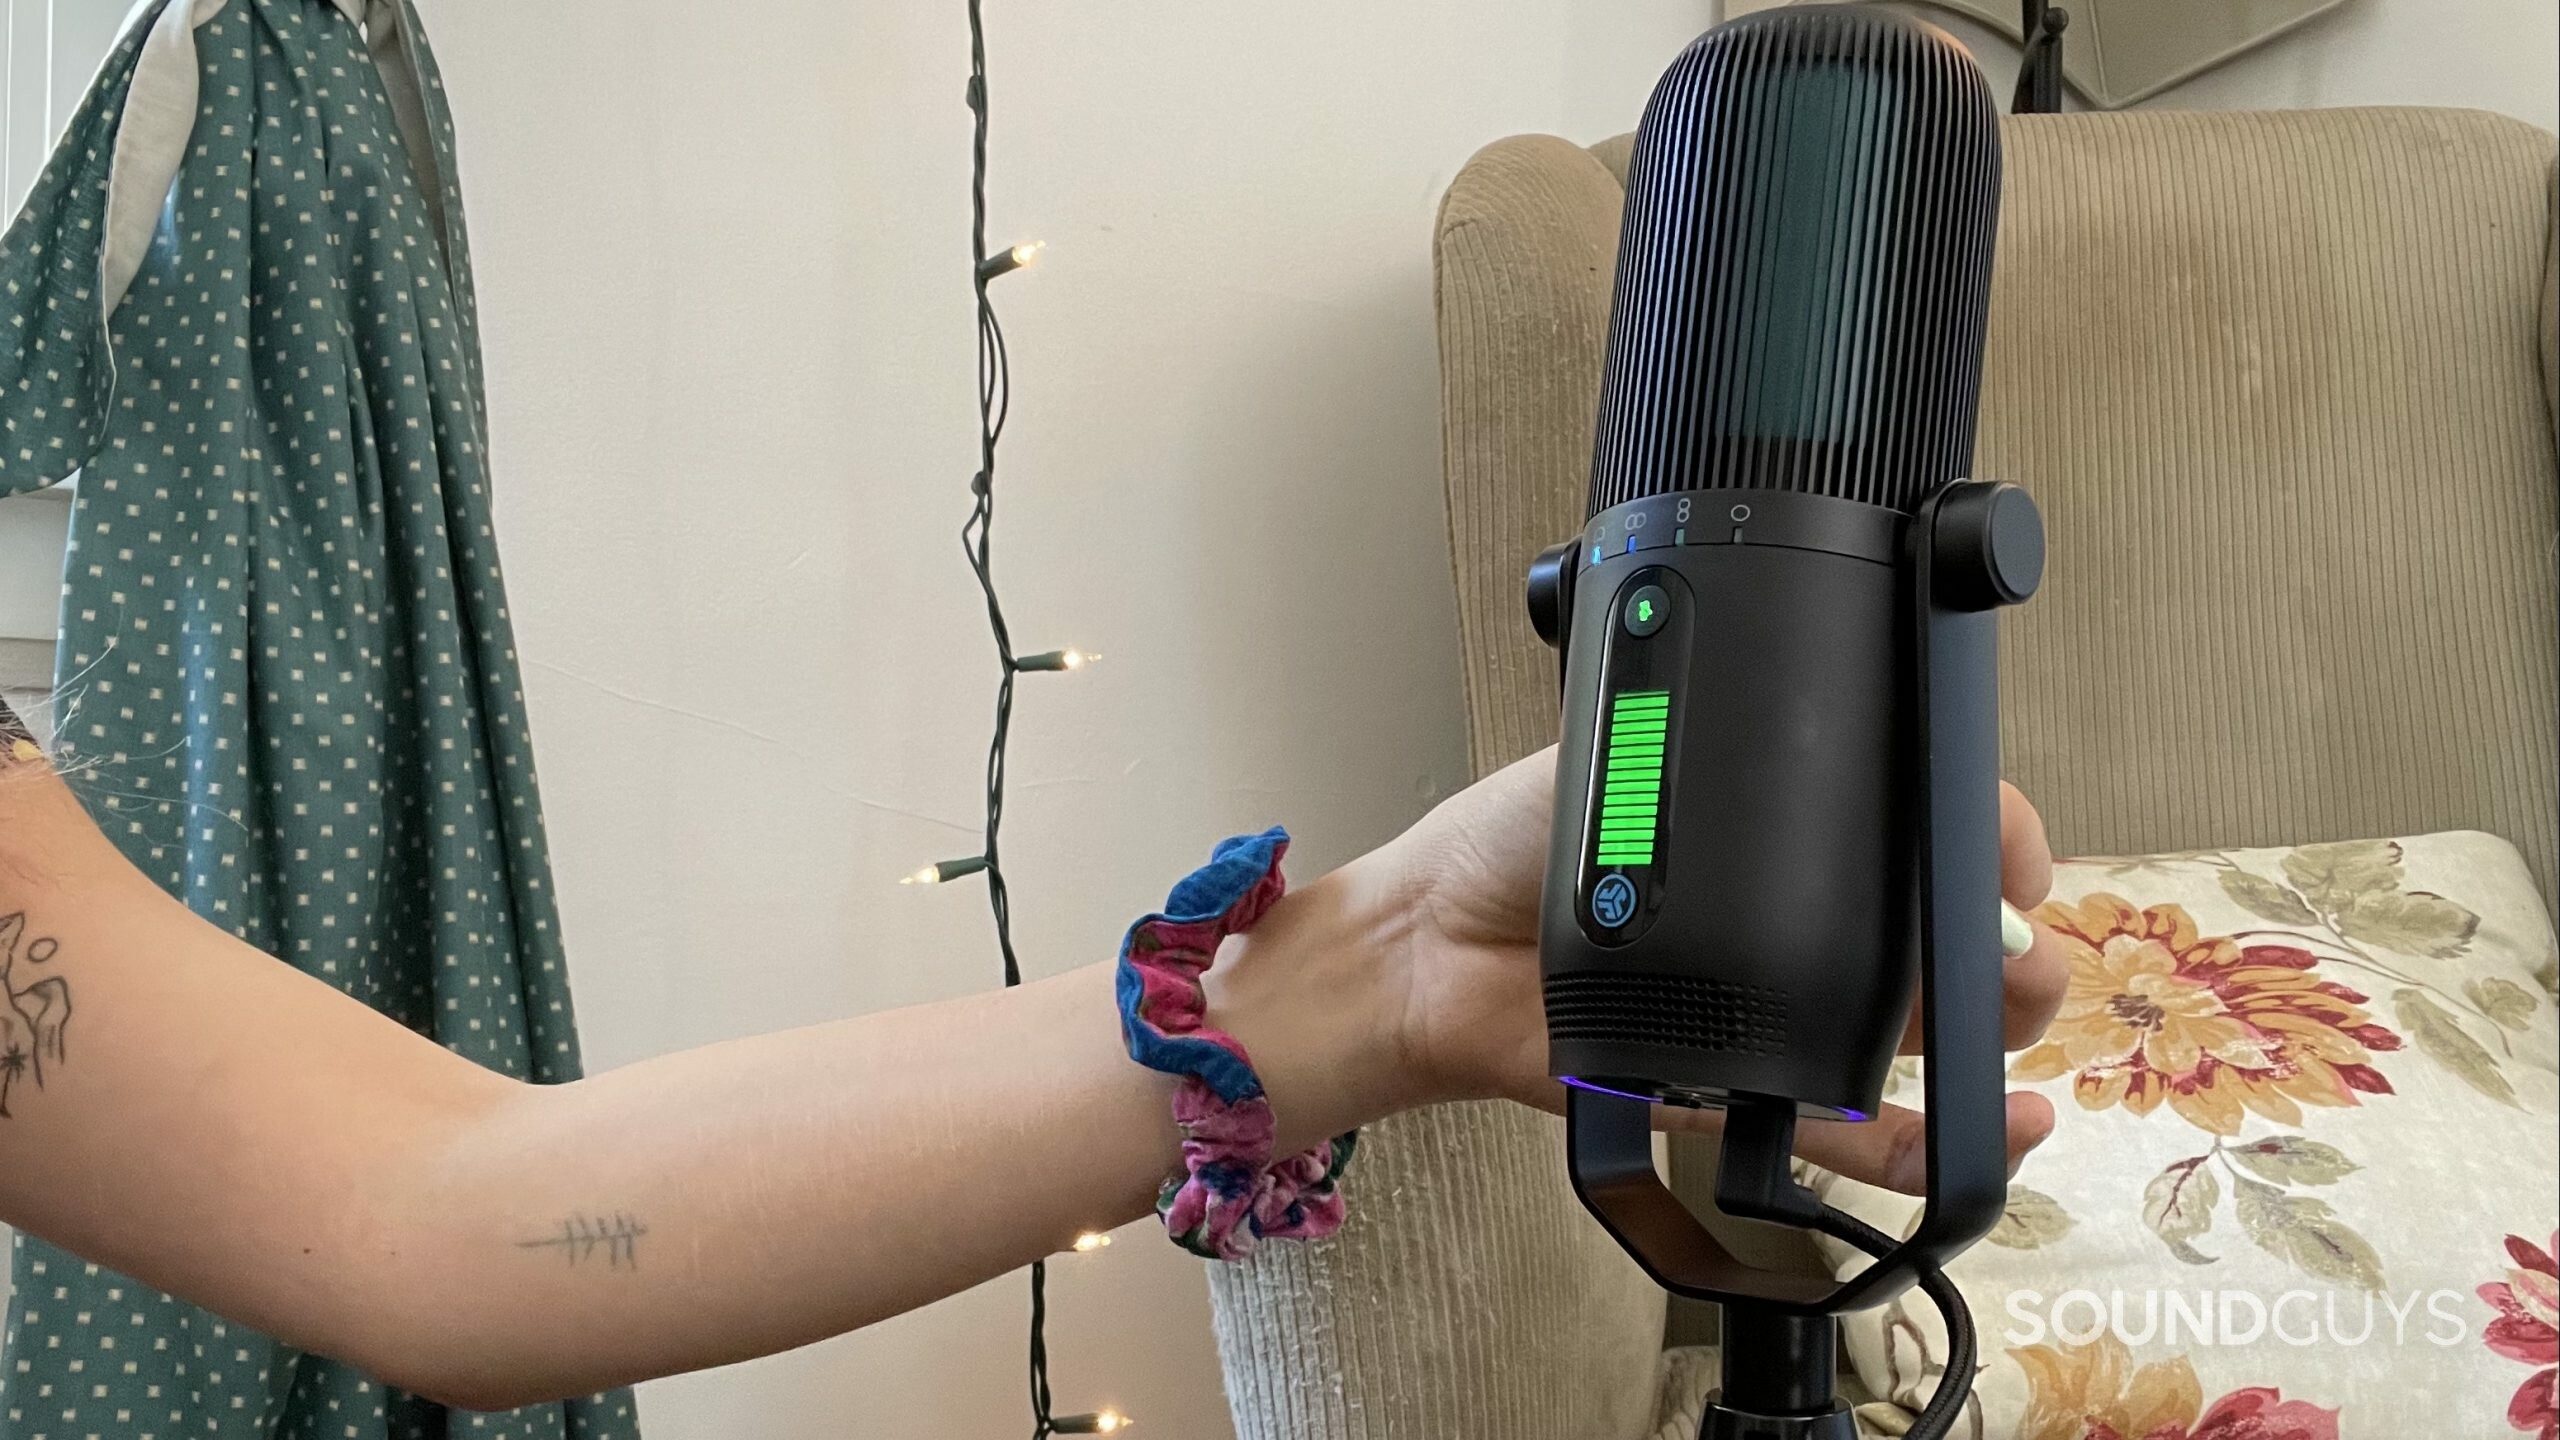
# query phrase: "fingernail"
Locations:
[[2017, 936]]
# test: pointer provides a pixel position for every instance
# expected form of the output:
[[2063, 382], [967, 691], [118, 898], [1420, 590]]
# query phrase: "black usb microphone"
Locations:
[[1777, 786]]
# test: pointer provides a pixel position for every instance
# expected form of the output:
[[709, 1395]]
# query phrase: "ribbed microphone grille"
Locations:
[[1805, 265]]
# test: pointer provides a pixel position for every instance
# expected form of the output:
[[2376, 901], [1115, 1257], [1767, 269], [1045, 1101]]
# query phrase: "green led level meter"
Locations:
[[1631, 777]]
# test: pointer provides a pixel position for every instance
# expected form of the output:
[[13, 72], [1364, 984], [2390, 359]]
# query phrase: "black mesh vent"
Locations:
[[1805, 265], [1663, 1010]]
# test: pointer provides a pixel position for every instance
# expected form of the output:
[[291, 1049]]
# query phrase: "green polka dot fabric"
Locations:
[[287, 684]]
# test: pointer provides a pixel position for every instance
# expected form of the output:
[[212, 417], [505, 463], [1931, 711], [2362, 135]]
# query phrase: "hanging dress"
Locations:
[[238, 303]]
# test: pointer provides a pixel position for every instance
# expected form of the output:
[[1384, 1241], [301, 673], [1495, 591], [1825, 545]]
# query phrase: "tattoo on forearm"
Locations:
[[17, 742], [582, 1238], [38, 1008]]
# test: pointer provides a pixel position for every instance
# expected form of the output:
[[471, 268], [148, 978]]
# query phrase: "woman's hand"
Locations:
[[1472, 1025]]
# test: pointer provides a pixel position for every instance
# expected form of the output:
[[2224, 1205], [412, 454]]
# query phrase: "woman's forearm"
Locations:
[[245, 1136], [756, 1195], [751, 1196]]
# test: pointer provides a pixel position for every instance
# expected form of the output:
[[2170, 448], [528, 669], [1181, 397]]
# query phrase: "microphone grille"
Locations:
[[1691, 1012], [1805, 265]]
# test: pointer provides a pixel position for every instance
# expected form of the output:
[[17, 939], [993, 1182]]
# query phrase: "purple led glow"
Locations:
[[1578, 1083]]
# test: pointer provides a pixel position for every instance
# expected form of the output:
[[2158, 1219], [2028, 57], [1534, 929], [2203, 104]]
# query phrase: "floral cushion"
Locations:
[[2305, 1176]]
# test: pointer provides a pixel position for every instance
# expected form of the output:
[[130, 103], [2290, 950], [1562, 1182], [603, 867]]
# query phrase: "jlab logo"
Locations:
[[1613, 901]]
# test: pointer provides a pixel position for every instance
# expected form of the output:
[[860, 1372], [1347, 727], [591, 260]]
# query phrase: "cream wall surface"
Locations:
[[2478, 54], [724, 284]]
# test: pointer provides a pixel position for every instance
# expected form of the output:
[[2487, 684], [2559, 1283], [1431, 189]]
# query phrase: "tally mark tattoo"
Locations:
[[581, 1238], [37, 1011]]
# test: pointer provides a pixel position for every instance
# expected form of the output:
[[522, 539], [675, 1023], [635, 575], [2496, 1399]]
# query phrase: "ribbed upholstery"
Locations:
[[2285, 384], [2277, 381], [2551, 316], [1616, 152], [1467, 1297], [1527, 250], [1466, 1254]]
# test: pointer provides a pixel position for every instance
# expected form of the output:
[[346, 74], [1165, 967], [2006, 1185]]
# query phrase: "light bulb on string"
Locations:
[[943, 872], [1056, 660], [1090, 1241], [1101, 1422], [1005, 262]]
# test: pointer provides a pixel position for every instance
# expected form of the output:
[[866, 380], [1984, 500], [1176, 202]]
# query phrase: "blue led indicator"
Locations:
[[1631, 544]]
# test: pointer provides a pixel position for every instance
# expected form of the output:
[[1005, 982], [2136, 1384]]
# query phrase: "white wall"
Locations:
[[48, 51], [2501, 55], [2490, 54], [34, 528], [724, 284]]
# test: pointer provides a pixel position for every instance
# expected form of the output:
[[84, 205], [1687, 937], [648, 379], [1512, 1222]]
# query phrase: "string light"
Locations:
[[1005, 262], [943, 872], [995, 399], [1090, 1241]]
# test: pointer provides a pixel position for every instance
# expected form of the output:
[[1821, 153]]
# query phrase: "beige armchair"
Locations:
[[2285, 385]]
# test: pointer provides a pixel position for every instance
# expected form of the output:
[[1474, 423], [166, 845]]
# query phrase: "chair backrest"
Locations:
[[2284, 383]]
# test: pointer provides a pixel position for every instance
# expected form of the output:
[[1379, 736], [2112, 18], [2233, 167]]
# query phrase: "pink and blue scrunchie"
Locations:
[[1231, 1196]]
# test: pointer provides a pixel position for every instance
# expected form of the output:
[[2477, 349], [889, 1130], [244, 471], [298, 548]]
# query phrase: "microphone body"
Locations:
[[1733, 905], [1734, 917], [1777, 788]]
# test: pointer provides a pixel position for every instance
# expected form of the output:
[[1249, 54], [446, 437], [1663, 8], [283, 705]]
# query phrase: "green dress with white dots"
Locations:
[[239, 305]]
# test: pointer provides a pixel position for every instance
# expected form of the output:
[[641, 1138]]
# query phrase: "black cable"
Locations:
[[1946, 1403], [1754, 1182], [977, 541], [1040, 1418]]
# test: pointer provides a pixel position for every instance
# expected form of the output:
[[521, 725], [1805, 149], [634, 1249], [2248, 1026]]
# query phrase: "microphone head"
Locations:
[[1805, 265]]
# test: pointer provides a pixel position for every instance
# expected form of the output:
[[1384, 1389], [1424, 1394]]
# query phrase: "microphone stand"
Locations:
[[1780, 1378], [1972, 548], [2040, 27]]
